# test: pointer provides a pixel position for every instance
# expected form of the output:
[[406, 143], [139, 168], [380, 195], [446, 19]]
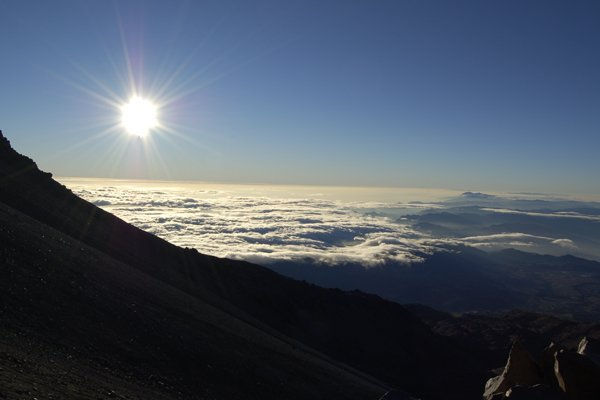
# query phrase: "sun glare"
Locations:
[[139, 116]]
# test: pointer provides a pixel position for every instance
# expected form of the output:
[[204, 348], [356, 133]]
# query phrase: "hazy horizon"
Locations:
[[382, 193]]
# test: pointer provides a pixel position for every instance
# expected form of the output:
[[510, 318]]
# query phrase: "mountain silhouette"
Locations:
[[138, 317]]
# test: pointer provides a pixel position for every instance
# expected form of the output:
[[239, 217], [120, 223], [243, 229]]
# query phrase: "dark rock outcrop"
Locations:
[[577, 375], [520, 369], [397, 395], [556, 374], [590, 347], [535, 392], [547, 360]]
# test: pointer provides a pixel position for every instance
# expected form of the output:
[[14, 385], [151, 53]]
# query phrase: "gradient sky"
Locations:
[[478, 95]]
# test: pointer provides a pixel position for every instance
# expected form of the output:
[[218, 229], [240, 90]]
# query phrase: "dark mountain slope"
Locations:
[[364, 331], [77, 324]]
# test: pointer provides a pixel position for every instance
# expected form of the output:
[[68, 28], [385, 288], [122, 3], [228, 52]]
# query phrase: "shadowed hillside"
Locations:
[[79, 324], [466, 279], [106, 274]]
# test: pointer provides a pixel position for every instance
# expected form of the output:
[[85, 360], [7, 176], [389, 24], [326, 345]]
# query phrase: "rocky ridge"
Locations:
[[557, 374]]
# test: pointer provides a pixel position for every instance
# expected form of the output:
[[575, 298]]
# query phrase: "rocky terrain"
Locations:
[[491, 335], [556, 374], [548, 358]]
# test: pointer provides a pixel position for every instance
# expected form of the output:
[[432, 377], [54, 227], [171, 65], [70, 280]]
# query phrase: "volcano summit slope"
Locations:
[[92, 305]]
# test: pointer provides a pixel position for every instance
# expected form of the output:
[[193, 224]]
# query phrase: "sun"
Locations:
[[139, 116]]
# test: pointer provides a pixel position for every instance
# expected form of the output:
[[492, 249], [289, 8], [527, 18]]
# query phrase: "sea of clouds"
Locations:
[[260, 226]]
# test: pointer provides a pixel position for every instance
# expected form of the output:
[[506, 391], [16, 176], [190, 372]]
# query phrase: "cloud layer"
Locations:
[[517, 240], [262, 228]]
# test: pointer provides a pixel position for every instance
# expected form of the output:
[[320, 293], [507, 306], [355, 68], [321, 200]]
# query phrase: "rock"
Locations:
[[577, 375], [535, 392], [591, 348], [520, 369], [546, 360], [494, 387], [397, 395]]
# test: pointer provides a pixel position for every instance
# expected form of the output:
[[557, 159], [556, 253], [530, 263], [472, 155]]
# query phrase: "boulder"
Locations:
[[397, 395], [546, 362], [577, 375], [520, 369], [591, 348], [535, 392]]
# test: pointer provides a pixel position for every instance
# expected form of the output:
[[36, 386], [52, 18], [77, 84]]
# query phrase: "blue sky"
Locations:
[[479, 95]]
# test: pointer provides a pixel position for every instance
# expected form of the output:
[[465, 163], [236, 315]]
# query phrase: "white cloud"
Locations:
[[566, 243], [505, 237], [263, 229], [557, 214], [517, 240]]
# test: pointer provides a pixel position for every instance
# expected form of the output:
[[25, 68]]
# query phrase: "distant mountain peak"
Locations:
[[15, 164], [4, 141], [477, 196], [5, 145]]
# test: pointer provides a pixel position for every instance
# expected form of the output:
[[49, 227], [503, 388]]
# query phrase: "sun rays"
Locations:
[[138, 108], [144, 103]]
